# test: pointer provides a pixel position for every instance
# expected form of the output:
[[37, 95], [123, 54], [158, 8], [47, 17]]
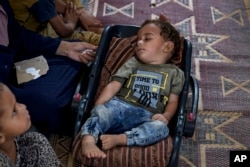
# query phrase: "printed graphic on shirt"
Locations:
[[147, 86]]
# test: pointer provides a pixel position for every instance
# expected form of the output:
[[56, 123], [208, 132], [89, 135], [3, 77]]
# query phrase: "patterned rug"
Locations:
[[220, 34]]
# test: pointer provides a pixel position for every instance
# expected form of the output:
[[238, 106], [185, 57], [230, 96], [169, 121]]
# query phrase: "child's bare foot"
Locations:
[[110, 141], [90, 149]]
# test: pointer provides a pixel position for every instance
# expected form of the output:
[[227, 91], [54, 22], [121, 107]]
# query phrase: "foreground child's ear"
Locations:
[[168, 46], [2, 138]]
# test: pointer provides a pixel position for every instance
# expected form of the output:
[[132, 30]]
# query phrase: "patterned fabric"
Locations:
[[156, 155], [33, 150]]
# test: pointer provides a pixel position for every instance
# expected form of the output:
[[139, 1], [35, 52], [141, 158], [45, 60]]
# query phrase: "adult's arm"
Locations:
[[31, 43], [34, 44]]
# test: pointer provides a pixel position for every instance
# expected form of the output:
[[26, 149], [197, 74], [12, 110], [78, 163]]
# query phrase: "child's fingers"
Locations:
[[87, 56]]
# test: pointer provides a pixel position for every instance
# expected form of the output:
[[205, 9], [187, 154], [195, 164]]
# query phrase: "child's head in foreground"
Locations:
[[158, 42], [14, 117]]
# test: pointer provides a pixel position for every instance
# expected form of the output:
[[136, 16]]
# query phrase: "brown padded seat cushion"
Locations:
[[156, 155]]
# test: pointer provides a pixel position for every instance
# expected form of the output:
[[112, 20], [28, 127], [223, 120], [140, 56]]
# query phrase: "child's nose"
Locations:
[[23, 106], [139, 42]]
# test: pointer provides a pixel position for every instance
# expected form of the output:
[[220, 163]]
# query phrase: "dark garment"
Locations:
[[6, 63], [48, 97], [34, 15], [44, 10]]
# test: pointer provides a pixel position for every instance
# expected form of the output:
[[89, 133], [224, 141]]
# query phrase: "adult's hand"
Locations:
[[75, 51]]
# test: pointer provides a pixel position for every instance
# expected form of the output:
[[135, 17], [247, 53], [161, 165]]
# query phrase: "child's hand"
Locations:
[[160, 117], [90, 22], [71, 14], [87, 56]]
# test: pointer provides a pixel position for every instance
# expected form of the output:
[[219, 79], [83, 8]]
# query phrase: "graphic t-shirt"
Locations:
[[149, 85]]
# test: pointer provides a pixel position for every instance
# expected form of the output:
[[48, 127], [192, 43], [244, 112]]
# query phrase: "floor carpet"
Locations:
[[220, 34]]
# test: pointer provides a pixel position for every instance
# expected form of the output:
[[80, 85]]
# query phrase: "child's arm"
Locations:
[[108, 92], [65, 26], [60, 6], [87, 20], [90, 22], [170, 109]]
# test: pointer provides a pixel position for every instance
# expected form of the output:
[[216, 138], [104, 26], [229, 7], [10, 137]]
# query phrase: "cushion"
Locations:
[[154, 155], [119, 51]]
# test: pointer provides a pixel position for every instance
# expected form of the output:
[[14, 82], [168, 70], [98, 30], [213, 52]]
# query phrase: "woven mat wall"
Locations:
[[220, 34]]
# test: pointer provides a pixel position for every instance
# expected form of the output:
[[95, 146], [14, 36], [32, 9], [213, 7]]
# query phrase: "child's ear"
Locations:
[[2, 138], [168, 46]]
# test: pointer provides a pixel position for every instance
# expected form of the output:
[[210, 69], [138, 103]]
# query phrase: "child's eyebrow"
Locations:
[[148, 33]]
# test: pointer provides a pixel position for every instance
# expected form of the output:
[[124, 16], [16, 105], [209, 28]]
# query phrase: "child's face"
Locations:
[[151, 47], [15, 118]]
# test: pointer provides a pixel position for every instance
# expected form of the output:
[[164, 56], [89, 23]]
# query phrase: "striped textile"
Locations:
[[156, 155]]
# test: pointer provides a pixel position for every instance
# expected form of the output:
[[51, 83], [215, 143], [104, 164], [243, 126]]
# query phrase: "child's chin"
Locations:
[[29, 125]]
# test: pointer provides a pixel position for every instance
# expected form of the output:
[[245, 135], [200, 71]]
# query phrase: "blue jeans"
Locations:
[[117, 116]]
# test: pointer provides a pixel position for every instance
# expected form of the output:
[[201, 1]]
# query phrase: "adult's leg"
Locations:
[[48, 97]]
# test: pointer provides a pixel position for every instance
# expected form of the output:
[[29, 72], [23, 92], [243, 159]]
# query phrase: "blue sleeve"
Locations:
[[34, 44], [44, 10]]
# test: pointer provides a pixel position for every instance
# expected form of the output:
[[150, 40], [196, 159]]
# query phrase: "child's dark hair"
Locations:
[[169, 33]]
